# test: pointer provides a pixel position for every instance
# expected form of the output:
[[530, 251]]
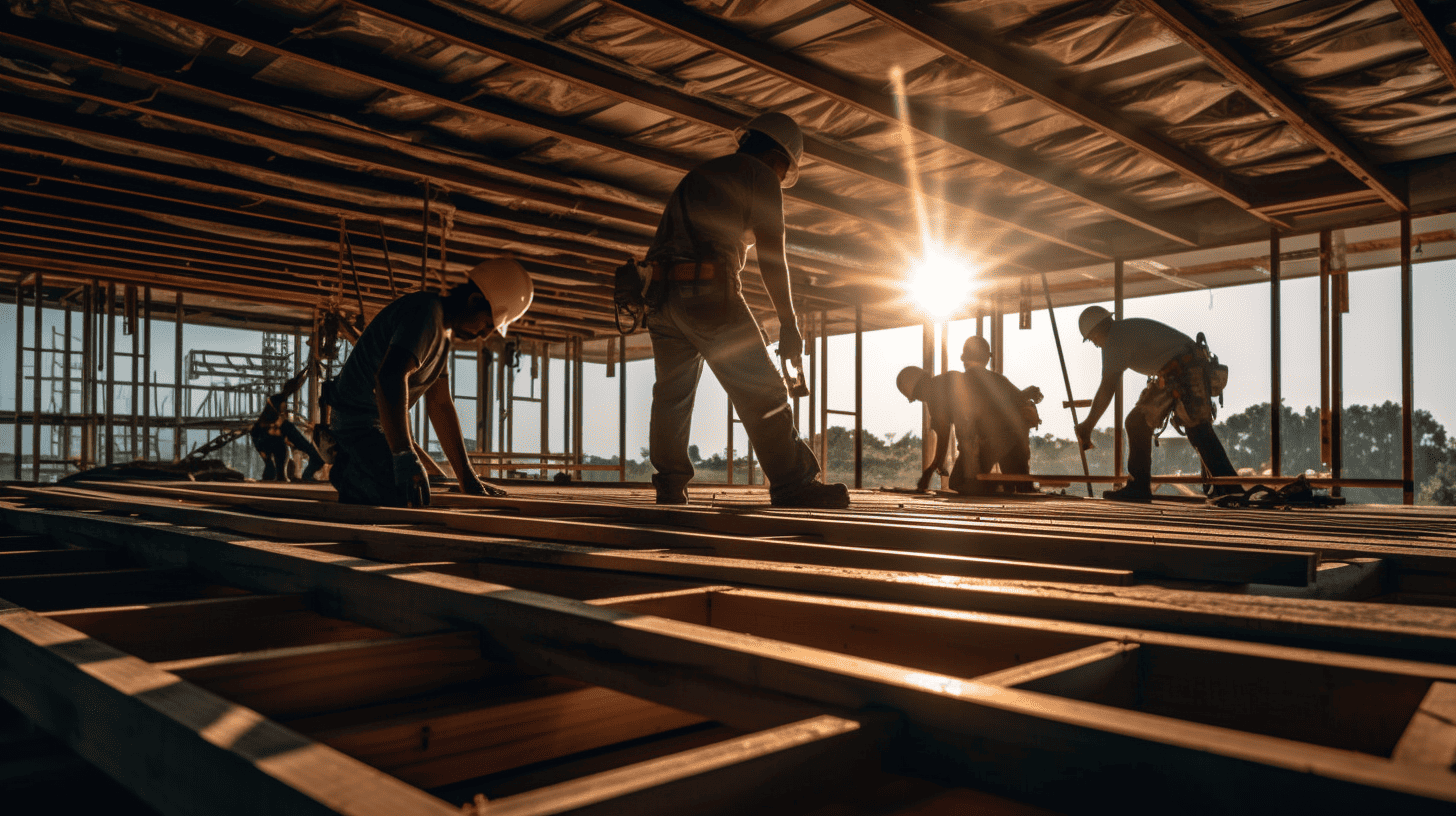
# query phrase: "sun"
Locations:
[[941, 282]]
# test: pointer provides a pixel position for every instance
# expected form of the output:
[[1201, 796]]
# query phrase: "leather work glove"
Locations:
[[473, 485], [410, 480], [791, 343], [1032, 393]]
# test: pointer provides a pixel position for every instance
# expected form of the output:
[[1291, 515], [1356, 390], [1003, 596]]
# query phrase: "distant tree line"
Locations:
[[1371, 451]]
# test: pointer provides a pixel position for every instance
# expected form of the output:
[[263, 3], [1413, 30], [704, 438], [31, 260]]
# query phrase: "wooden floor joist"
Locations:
[[721, 677]]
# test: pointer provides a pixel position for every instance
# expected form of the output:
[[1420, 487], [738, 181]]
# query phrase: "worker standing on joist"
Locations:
[[402, 355], [1183, 378], [719, 211]]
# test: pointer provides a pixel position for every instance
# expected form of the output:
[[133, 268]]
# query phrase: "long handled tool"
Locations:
[[1066, 379]]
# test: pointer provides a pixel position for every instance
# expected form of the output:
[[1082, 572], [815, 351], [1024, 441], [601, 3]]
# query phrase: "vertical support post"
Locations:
[[811, 373], [110, 373], [998, 337], [88, 377], [1339, 300], [35, 407], [729, 476], [19, 369], [482, 401], [545, 404], [945, 347], [147, 429], [579, 408], [1407, 365], [858, 397], [566, 391], [1325, 251], [1046, 291], [1117, 406], [65, 406], [1276, 400], [131, 317], [179, 394], [425, 239], [622, 407], [824, 394], [927, 362]]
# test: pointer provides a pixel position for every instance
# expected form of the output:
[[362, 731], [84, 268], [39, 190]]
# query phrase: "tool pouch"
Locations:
[[637, 291]]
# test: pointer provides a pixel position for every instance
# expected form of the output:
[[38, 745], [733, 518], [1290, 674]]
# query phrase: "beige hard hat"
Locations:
[[1092, 317], [781, 128], [977, 349], [507, 285], [909, 379]]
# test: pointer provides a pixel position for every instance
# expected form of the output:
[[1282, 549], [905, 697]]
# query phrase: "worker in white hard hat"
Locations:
[[717, 213], [1183, 378], [403, 355], [1003, 415], [948, 400]]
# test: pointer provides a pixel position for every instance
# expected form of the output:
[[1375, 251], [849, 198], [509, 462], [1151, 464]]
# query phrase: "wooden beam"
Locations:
[[189, 751], [41, 562], [767, 771], [1265, 91], [1430, 36], [961, 729], [86, 589], [1430, 738]]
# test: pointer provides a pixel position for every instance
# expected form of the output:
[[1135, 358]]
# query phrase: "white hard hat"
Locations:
[[507, 285], [908, 380], [781, 128], [1091, 318], [976, 348]]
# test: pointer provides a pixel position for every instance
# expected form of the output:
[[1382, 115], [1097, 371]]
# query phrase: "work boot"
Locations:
[[813, 495], [314, 466], [670, 490], [1137, 492]]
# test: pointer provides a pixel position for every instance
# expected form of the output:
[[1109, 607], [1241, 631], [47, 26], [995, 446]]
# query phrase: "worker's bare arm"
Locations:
[[1105, 392], [774, 268], [942, 431], [440, 407], [391, 395]]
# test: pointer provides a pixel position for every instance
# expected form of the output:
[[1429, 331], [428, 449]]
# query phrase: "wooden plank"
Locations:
[[449, 738], [1276, 568], [45, 562], [769, 770], [13, 543], [307, 680], [1430, 737], [213, 626], [1374, 629], [1064, 750], [1004, 543], [201, 753]]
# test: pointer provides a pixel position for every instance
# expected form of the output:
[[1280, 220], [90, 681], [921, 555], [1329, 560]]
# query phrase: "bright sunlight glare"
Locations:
[[941, 282]]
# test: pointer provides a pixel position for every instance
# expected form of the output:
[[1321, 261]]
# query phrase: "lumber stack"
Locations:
[[577, 650]]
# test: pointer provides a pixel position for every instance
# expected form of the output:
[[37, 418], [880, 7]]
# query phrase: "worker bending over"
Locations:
[[1002, 415], [404, 354], [720, 210], [1182, 380], [273, 432]]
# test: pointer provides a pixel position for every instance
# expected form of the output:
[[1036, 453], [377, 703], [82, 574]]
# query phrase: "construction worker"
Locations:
[[1003, 415], [404, 354], [274, 432], [948, 399], [1181, 381], [720, 210]]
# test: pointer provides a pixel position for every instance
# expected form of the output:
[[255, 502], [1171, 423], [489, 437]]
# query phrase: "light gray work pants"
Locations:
[[690, 329]]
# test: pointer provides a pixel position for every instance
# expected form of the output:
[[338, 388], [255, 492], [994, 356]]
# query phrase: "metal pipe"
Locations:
[[65, 407], [135, 369], [824, 394], [1117, 406], [178, 394], [110, 373], [1276, 403], [88, 376], [1339, 279], [1407, 364], [729, 473], [147, 372], [927, 362], [35, 371], [622, 407], [1066, 378], [545, 402], [1324, 319], [858, 397], [19, 369]]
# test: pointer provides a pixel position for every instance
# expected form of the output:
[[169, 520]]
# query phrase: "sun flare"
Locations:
[[941, 282]]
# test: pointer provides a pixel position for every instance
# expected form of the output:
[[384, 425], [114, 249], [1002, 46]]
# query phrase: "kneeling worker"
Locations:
[[274, 432], [402, 355], [1003, 414], [1179, 381]]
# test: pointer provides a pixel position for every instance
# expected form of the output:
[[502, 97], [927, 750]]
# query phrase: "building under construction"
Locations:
[[173, 172]]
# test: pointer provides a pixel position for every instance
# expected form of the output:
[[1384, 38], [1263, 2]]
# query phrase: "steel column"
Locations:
[[110, 381], [35, 372], [927, 362], [19, 369], [622, 407], [1407, 364], [1276, 449], [147, 371], [1117, 406], [1324, 318], [858, 397]]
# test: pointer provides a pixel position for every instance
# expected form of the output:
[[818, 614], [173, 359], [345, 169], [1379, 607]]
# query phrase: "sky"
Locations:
[[1235, 320]]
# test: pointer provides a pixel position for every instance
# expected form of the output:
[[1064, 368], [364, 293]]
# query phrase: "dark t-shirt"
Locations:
[[415, 323], [995, 402]]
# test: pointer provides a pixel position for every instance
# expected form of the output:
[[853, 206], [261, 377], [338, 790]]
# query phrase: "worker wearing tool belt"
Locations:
[[273, 432], [718, 212], [403, 355], [1179, 381]]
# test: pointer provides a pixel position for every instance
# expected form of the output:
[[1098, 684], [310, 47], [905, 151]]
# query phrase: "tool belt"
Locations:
[[688, 271], [1194, 356]]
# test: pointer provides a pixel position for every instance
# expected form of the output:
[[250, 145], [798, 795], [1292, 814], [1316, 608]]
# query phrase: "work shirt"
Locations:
[[725, 199], [1143, 345], [415, 323], [996, 402]]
